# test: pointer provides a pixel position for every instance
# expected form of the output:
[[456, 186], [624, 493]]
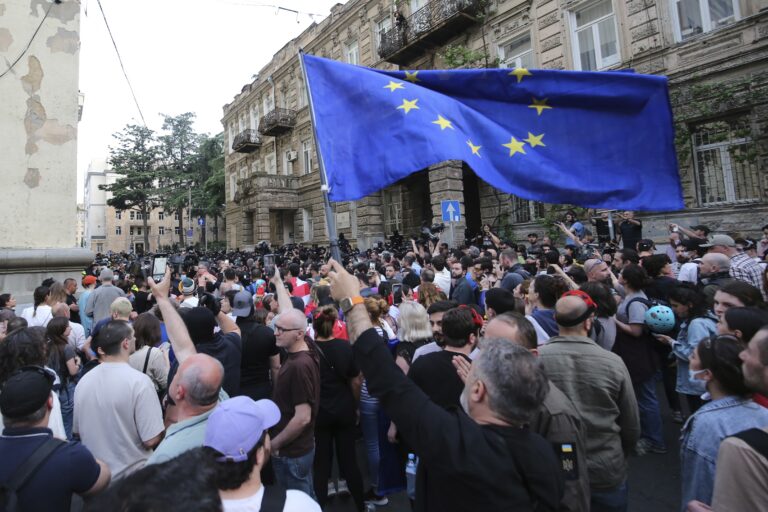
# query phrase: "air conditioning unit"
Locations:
[[293, 156]]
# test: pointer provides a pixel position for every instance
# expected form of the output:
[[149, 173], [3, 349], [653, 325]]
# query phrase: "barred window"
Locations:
[[524, 210], [725, 159]]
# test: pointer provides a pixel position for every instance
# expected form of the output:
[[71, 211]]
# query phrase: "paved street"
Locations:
[[654, 480]]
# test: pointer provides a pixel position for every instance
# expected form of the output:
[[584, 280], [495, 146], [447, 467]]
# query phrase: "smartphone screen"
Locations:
[[159, 262], [269, 259]]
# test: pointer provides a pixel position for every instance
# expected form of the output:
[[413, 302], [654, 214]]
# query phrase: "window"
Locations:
[[231, 135], [725, 159], [255, 116], [308, 224], [133, 215], [138, 230], [693, 17], [269, 163], [306, 155], [176, 216], [301, 99], [99, 247], [524, 210], [177, 230], [140, 216], [130, 231], [516, 53], [287, 163], [382, 27], [596, 40], [118, 230], [160, 215], [392, 202], [161, 230], [352, 53], [232, 186], [269, 103], [118, 215]]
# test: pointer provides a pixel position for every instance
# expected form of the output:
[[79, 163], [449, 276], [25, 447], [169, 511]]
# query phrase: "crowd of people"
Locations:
[[490, 376]]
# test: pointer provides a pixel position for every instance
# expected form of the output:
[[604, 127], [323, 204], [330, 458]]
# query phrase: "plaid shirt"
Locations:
[[746, 269]]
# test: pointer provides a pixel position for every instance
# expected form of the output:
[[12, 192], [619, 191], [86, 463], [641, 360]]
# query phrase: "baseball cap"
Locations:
[[106, 275], [242, 304], [719, 240], [645, 244], [187, 286], [500, 300], [89, 280], [237, 424], [297, 303], [26, 391]]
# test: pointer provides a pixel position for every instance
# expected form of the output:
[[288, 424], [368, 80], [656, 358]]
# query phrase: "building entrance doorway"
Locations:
[[138, 247], [281, 227], [472, 212]]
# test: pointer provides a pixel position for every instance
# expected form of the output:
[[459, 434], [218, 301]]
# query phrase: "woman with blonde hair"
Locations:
[[58, 293], [413, 333], [429, 293]]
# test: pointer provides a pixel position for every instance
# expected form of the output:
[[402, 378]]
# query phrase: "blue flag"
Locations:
[[594, 139]]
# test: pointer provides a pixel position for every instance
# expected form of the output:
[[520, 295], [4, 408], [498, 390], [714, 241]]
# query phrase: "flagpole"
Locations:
[[330, 218]]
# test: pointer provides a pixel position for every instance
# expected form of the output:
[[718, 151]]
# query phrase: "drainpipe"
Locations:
[[274, 106]]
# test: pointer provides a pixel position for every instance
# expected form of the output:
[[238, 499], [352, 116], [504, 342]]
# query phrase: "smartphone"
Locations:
[[269, 265], [371, 266], [159, 263], [396, 289]]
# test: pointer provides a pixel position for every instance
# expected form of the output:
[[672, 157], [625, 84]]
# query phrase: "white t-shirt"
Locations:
[[689, 273], [190, 302], [39, 317], [295, 501], [76, 337], [443, 281], [116, 410]]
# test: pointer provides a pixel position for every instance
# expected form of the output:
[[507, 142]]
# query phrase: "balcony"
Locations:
[[432, 25], [277, 122], [246, 141]]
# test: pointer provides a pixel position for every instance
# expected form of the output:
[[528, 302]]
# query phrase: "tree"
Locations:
[[211, 199], [135, 160], [180, 146]]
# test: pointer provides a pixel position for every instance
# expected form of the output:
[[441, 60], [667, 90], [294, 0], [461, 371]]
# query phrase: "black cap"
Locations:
[[25, 392], [200, 323], [500, 299]]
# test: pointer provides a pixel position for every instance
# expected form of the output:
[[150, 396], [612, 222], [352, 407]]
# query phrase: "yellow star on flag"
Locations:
[[520, 73], [515, 146], [411, 76], [443, 123], [535, 140], [539, 105], [408, 105], [475, 149], [394, 85]]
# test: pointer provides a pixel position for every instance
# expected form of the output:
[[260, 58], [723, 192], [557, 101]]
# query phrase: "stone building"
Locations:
[[715, 53], [108, 229]]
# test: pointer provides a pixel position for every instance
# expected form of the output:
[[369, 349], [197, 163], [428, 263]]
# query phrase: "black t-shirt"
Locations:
[[259, 345], [435, 374], [337, 367], [74, 316], [71, 468], [141, 303], [631, 234], [227, 348]]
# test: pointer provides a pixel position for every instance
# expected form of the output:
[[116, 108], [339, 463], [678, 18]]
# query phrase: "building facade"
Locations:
[[108, 229], [715, 53]]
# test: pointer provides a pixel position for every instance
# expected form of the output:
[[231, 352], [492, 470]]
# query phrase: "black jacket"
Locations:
[[466, 466]]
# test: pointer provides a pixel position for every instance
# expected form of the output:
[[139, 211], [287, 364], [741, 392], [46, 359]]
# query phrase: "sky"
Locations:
[[180, 56]]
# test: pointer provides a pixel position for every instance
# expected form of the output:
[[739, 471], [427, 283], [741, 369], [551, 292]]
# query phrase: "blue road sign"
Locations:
[[201, 221], [189, 233], [451, 211]]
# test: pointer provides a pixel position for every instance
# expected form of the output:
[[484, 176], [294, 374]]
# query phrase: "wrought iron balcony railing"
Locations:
[[246, 141], [277, 122]]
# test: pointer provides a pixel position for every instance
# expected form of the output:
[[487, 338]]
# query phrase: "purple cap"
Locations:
[[237, 424]]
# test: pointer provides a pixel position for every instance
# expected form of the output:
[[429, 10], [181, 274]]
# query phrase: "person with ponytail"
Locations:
[[340, 381], [40, 313], [64, 361]]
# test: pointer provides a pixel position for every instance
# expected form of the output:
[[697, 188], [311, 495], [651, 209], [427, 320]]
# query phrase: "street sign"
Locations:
[[201, 221], [189, 233], [451, 211]]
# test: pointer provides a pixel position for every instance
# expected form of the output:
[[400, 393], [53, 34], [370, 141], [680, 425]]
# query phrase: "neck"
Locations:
[[248, 489], [122, 357], [485, 416], [299, 346], [565, 331], [324, 338], [466, 349], [187, 410], [716, 390]]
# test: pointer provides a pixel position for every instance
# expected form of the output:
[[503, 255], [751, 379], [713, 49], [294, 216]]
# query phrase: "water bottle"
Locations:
[[410, 476]]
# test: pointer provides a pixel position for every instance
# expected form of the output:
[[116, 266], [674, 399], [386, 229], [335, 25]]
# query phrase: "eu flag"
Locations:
[[595, 139]]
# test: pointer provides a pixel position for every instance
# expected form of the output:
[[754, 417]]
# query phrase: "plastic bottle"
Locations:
[[410, 476]]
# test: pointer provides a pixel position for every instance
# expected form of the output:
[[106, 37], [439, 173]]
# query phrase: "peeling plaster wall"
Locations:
[[38, 123]]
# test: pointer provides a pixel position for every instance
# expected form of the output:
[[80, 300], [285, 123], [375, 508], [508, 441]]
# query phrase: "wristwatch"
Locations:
[[347, 303]]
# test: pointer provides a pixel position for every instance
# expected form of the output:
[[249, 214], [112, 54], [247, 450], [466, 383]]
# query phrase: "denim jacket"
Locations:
[[701, 437], [691, 333]]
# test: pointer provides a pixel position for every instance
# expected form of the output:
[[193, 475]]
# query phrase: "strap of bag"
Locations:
[[756, 438], [28, 469], [274, 498], [327, 361], [146, 360]]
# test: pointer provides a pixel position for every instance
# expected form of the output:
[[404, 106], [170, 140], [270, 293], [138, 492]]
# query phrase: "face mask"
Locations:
[[693, 373]]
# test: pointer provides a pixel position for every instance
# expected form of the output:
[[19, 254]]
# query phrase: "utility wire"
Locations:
[[276, 7], [26, 49], [125, 74]]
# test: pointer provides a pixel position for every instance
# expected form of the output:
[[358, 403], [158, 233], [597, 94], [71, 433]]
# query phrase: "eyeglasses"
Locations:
[[283, 329]]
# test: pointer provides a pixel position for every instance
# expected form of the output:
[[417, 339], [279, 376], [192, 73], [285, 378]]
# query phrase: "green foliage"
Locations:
[[460, 56]]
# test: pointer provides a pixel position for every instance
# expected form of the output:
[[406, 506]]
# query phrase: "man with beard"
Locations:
[[435, 311], [598, 271], [686, 270]]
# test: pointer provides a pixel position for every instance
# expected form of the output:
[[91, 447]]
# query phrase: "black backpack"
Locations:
[[9, 498]]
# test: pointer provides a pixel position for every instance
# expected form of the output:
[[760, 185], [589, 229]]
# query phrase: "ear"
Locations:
[[534, 351], [49, 403], [478, 391], [738, 334]]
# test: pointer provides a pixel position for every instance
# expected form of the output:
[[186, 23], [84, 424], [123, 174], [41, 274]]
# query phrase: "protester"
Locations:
[[148, 358], [102, 297], [743, 323], [39, 314]]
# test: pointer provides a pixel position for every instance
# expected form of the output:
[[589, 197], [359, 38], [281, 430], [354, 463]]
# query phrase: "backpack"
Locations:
[[9, 499], [756, 438], [639, 354]]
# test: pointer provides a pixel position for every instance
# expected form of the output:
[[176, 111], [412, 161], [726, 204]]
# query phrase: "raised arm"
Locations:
[[174, 325], [283, 299]]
